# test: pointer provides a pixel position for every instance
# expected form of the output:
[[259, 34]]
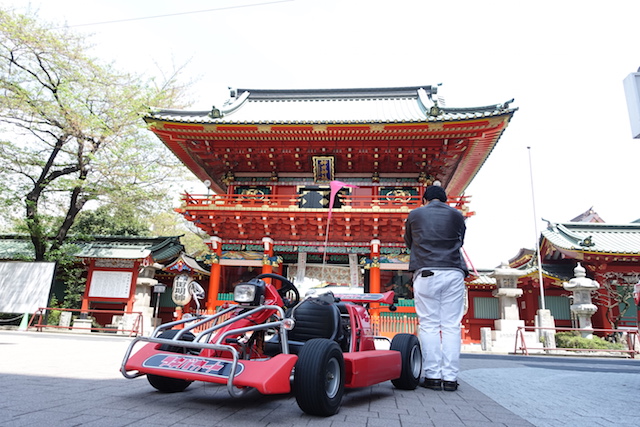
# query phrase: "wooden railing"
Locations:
[[271, 201], [40, 320], [389, 325]]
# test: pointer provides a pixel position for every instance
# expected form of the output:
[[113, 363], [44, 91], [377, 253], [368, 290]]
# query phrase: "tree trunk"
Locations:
[[75, 206], [34, 225]]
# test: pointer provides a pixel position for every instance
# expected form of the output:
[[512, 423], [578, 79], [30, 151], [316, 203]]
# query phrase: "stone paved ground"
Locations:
[[560, 391], [74, 380]]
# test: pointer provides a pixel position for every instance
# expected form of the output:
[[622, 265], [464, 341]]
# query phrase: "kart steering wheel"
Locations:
[[285, 290]]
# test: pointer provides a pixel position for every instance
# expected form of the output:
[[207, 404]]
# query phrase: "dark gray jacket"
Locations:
[[435, 235]]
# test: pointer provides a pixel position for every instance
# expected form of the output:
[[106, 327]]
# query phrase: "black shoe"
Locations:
[[450, 385], [432, 384]]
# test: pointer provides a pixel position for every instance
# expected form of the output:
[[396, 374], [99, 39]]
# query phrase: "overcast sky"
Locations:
[[563, 62]]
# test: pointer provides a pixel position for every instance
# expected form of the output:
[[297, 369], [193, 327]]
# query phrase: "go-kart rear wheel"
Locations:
[[409, 347], [318, 383], [166, 384]]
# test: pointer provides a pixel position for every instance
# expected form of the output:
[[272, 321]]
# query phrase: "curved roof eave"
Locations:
[[594, 238], [204, 117]]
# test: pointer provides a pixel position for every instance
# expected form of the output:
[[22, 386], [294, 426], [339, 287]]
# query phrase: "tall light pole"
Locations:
[[537, 236]]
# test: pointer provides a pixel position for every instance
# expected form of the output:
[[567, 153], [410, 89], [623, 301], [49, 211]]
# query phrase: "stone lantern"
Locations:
[[506, 327], [582, 307], [507, 291]]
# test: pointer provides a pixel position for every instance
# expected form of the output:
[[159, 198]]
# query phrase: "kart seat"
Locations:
[[315, 318]]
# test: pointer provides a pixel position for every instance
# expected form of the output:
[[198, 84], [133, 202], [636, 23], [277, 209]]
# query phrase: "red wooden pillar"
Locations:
[[599, 319], [374, 281], [374, 269], [215, 244], [132, 286], [85, 297]]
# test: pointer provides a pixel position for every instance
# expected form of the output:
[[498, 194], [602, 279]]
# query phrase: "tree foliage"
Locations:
[[110, 220], [169, 223], [616, 296], [71, 132]]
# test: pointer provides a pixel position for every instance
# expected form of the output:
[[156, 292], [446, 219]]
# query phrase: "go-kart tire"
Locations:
[[318, 383], [409, 347], [166, 384], [170, 334]]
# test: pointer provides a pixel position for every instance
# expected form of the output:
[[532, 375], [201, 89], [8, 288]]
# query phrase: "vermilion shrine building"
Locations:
[[269, 157], [610, 253]]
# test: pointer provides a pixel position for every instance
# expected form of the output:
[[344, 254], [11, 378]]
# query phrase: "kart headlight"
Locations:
[[244, 292], [251, 292]]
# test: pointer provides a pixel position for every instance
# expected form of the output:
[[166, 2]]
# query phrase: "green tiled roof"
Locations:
[[167, 249], [16, 247], [113, 250], [161, 249], [595, 237], [483, 279]]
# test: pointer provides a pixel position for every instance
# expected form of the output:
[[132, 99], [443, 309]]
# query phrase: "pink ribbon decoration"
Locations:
[[335, 187]]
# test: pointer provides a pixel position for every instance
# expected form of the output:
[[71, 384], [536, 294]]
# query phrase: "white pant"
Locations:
[[439, 301]]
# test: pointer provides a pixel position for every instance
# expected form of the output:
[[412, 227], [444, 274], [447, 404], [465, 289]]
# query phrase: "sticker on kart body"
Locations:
[[361, 297], [199, 365]]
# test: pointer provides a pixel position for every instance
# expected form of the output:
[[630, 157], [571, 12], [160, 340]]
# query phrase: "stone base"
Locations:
[[544, 319], [486, 340], [82, 325], [505, 342], [510, 325], [503, 338]]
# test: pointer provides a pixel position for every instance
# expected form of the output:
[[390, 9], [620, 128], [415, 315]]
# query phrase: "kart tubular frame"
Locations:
[[200, 343]]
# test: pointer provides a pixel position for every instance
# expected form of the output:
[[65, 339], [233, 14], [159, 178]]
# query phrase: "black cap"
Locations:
[[435, 192]]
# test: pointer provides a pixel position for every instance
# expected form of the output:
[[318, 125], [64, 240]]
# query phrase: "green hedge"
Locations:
[[575, 340]]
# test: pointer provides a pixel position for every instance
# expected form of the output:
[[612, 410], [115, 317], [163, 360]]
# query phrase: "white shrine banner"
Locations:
[[354, 270]]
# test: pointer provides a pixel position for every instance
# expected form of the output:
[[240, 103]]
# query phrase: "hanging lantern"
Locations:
[[180, 294]]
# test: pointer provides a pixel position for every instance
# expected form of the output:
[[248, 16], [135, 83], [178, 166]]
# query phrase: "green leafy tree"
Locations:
[[71, 132], [69, 271], [110, 220], [169, 223], [616, 296]]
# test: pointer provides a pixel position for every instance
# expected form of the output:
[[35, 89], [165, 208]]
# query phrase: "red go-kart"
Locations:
[[274, 343]]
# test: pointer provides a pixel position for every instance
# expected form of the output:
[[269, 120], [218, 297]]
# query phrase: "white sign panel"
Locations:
[[25, 286], [632, 92], [110, 284]]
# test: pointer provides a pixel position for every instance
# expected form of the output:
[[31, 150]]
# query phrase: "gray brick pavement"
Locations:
[[73, 380]]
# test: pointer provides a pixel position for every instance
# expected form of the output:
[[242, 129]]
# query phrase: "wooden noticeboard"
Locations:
[[110, 284]]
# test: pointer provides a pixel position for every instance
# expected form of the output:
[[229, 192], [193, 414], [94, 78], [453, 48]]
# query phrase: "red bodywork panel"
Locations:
[[268, 376], [366, 368]]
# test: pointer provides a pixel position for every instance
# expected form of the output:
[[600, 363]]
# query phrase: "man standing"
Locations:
[[435, 235]]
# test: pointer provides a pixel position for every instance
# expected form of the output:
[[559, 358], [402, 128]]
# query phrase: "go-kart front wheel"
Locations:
[[166, 384], [318, 383], [409, 347]]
